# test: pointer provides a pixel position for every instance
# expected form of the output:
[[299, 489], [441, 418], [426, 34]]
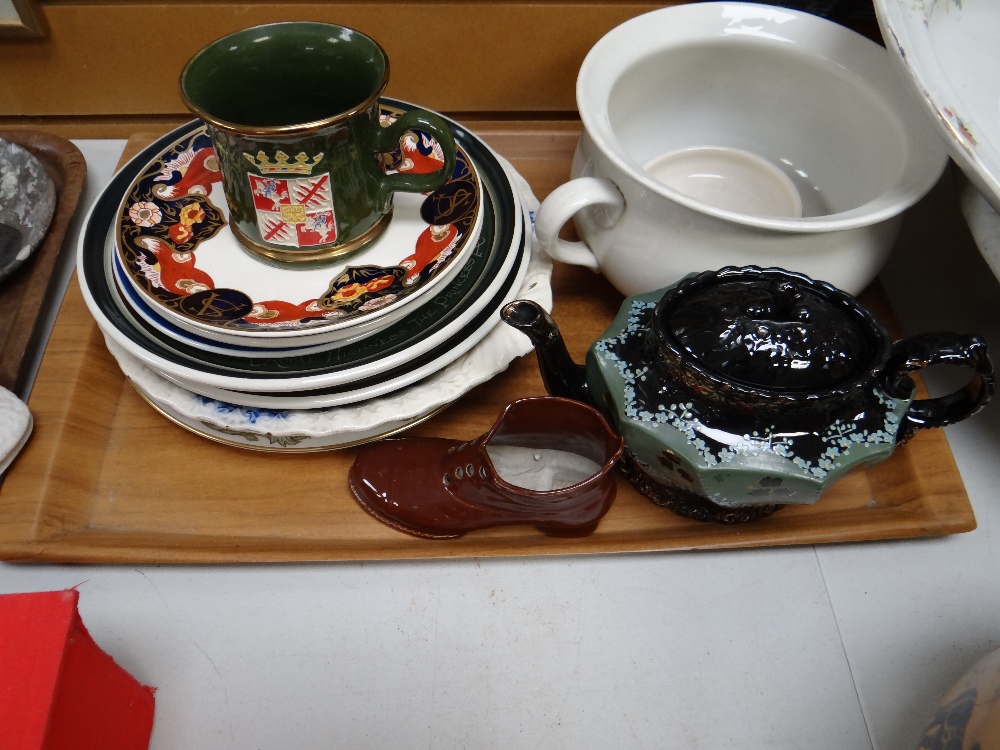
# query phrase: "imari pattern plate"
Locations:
[[179, 254]]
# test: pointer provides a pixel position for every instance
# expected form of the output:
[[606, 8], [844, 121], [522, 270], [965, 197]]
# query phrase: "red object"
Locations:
[[58, 690], [440, 489]]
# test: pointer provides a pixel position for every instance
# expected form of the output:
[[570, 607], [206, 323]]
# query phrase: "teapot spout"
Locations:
[[560, 374]]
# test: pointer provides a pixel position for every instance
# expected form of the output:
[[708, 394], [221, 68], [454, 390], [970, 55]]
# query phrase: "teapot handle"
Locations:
[[916, 352]]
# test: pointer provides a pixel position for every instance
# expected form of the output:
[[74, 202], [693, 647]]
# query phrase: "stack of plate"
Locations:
[[288, 358]]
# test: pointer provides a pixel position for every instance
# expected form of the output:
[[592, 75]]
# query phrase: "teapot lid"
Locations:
[[767, 335]]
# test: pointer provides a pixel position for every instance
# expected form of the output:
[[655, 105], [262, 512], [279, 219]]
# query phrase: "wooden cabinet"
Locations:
[[107, 67]]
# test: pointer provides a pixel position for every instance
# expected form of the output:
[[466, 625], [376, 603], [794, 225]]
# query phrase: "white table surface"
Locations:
[[832, 646]]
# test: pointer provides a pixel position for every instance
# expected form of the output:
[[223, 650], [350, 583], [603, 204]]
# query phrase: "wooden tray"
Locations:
[[25, 294], [106, 479]]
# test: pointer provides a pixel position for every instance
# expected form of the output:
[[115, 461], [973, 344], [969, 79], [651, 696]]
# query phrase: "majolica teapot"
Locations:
[[741, 390]]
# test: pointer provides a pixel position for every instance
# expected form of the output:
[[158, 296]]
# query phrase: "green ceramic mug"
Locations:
[[292, 109]]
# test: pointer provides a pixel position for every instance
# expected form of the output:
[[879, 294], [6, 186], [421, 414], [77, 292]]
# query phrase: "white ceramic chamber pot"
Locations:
[[723, 134]]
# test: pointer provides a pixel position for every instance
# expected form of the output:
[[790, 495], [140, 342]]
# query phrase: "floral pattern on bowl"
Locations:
[[945, 49]]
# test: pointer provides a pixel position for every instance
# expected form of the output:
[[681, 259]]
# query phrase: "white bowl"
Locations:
[[947, 51], [450, 336], [820, 104]]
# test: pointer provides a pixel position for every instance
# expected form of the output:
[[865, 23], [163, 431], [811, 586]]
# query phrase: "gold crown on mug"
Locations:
[[281, 165]]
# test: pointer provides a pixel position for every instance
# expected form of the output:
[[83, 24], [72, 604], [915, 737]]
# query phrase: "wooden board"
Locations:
[[23, 296], [106, 479], [497, 59], [124, 58]]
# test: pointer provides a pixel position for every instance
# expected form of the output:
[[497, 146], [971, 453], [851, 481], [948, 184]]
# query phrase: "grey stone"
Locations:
[[27, 203]]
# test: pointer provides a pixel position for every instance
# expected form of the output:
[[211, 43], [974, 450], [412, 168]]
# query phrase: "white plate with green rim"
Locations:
[[531, 275], [439, 325], [309, 429]]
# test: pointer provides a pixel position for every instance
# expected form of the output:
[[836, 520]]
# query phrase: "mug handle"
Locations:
[[563, 203], [916, 352], [387, 140]]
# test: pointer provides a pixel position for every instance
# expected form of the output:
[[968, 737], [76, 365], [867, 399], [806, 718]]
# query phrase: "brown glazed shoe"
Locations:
[[441, 489]]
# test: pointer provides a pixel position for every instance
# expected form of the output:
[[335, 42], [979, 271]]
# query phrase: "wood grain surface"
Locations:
[[124, 58], [106, 479], [109, 68]]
